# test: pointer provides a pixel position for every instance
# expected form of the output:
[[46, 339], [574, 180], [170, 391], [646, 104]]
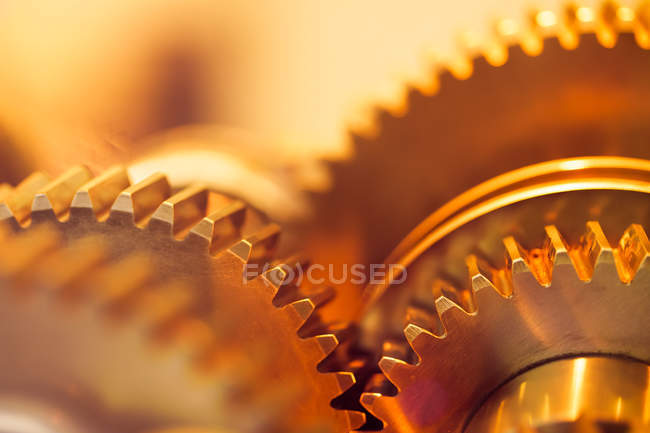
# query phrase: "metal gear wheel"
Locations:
[[559, 301], [88, 350], [560, 85], [208, 243]]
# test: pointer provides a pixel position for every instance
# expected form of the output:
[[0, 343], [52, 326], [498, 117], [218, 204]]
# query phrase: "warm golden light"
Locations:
[[585, 14], [546, 19]]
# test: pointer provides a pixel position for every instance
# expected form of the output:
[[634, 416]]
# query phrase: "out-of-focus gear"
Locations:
[[216, 247]]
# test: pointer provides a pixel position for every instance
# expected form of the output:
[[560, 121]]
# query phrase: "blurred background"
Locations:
[[93, 82]]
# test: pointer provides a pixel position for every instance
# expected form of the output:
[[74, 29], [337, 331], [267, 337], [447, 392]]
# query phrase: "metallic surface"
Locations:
[[206, 242], [559, 300], [458, 128], [73, 368], [566, 193], [606, 390]]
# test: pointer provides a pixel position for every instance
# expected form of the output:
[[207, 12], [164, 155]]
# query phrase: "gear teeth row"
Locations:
[[193, 212], [260, 247], [592, 259], [587, 261], [201, 219], [605, 22], [99, 194]]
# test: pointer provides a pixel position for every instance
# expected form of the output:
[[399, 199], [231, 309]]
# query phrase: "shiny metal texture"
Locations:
[[506, 191], [204, 241], [608, 392]]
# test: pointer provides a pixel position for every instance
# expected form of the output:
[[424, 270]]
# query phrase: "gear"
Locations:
[[73, 367], [562, 300], [562, 193], [565, 193], [527, 95], [211, 244]]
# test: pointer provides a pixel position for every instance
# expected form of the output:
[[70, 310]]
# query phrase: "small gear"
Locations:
[[559, 301], [215, 246]]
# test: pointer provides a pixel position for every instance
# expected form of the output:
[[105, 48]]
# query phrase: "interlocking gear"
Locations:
[[489, 113], [562, 300], [208, 243]]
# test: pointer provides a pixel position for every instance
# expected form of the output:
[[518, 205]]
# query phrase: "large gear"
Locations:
[[565, 192], [560, 85], [209, 243], [559, 301], [73, 367]]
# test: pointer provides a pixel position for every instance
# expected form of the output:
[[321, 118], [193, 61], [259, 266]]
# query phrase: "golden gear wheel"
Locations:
[[562, 194], [561, 300], [208, 243], [565, 193], [89, 352], [560, 85]]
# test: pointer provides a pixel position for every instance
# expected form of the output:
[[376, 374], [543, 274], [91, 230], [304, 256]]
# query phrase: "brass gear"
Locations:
[[565, 193], [73, 367], [561, 300], [558, 86], [208, 242]]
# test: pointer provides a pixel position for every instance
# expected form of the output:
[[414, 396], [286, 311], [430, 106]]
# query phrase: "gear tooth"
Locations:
[[516, 261], [300, 311], [259, 247], [531, 38], [642, 25], [17, 205], [595, 249], [544, 23], [422, 318], [426, 81], [286, 274], [496, 52], [277, 277], [55, 197], [363, 122], [177, 214], [556, 247], [461, 67], [26, 249], [369, 400], [448, 296], [607, 25], [355, 419], [139, 201], [483, 276], [344, 380], [96, 196], [417, 337], [395, 370], [326, 343], [520, 263], [222, 228], [7, 217], [634, 250], [558, 255], [569, 31], [395, 101]]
